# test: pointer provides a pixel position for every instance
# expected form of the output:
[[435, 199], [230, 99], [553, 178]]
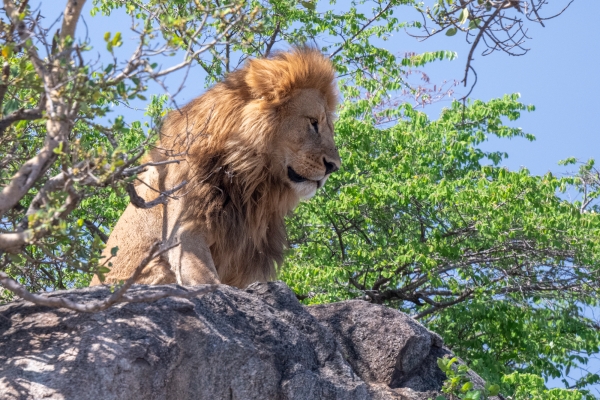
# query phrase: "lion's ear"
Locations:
[[270, 80]]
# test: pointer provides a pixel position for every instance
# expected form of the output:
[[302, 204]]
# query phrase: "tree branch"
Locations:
[[117, 297], [58, 124], [4, 85], [362, 29], [71, 17], [21, 114], [94, 230], [482, 30], [444, 304], [272, 39], [13, 241], [139, 202]]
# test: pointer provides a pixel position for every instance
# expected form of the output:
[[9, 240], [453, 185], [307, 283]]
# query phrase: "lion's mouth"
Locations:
[[295, 177]]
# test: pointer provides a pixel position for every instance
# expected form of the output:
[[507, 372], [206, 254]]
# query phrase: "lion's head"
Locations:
[[296, 92], [252, 147], [305, 147]]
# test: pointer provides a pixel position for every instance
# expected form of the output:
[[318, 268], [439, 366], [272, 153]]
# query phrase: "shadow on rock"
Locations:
[[258, 343]]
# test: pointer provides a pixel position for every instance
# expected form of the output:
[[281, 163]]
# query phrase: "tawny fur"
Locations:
[[236, 143]]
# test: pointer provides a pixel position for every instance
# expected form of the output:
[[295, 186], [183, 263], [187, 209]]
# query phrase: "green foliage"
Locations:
[[528, 386], [498, 337], [459, 385], [423, 193], [422, 219]]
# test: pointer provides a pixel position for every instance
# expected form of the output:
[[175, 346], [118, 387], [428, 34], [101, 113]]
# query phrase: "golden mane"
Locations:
[[224, 137]]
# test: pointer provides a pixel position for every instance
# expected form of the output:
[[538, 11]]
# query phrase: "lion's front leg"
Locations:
[[192, 260]]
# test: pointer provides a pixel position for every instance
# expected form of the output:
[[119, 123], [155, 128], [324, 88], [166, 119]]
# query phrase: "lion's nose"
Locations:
[[330, 167]]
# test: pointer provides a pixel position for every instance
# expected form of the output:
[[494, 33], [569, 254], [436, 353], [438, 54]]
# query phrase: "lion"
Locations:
[[250, 149]]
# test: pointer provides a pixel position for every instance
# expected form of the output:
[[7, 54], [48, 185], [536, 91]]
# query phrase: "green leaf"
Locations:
[[442, 364], [464, 15], [309, 5], [493, 390], [451, 32], [7, 50], [116, 41], [568, 161], [114, 250]]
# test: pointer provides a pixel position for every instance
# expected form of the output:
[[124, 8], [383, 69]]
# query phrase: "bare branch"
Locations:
[[95, 230], [14, 240], [340, 238], [27, 175], [445, 304], [118, 296], [21, 114], [139, 202], [503, 28], [71, 17], [272, 39], [482, 30]]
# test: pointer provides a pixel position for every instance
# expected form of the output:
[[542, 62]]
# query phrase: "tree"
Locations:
[[423, 220], [420, 218], [63, 168]]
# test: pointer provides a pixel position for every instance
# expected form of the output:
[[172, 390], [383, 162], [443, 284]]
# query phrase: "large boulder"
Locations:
[[229, 344], [389, 350], [258, 343]]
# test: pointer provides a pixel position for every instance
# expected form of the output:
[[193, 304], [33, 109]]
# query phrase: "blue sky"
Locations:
[[560, 76]]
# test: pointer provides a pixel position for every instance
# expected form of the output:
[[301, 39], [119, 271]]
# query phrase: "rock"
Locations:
[[381, 344], [258, 343], [394, 354], [229, 344]]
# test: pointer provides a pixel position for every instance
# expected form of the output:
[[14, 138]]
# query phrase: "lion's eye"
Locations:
[[315, 124]]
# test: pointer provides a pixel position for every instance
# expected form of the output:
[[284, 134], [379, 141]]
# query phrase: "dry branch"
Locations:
[[118, 296], [498, 25], [19, 115], [71, 17], [139, 202]]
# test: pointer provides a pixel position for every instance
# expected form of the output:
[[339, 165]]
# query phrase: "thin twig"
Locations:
[[94, 230], [362, 29], [482, 30], [139, 202]]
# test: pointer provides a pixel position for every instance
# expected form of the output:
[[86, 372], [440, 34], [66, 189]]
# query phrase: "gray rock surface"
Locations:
[[258, 343], [229, 344], [394, 354], [381, 344]]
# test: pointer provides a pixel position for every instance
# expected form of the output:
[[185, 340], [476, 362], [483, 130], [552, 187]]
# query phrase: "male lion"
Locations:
[[251, 147]]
